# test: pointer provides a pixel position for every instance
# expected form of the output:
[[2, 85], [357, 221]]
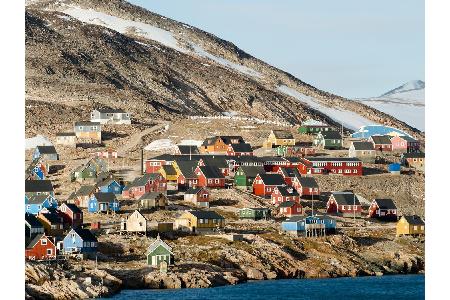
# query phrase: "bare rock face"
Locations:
[[254, 274]]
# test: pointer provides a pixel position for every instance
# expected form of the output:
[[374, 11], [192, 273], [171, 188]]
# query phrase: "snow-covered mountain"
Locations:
[[406, 103]]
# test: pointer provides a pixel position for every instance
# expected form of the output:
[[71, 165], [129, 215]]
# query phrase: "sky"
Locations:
[[351, 48]]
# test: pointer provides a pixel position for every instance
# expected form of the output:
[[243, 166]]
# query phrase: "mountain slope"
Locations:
[[91, 53]]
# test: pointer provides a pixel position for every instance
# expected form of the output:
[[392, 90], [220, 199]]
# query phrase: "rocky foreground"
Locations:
[[204, 262]]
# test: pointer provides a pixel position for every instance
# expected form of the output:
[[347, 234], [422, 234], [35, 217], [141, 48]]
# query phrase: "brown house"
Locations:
[[219, 144]]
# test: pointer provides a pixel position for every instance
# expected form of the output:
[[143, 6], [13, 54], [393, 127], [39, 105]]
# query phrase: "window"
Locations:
[[299, 209], [340, 171], [347, 171], [49, 251], [355, 171], [28, 207], [215, 221], [355, 207], [422, 227], [80, 127], [310, 189], [216, 180], [44, 242], [39, 206], [201, 221], [210, 181]]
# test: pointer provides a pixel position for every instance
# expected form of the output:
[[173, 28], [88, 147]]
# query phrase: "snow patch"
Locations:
[[38, 140], [191, 143], [160, 145]]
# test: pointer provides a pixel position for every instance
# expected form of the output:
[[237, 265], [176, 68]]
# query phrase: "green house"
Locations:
[[83, 173], [328, 140], [313, 127], [158, 252], [254, 213], [244, 176]]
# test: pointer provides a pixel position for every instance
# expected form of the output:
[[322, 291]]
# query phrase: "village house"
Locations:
[[254, 213], [198, 196], [309, 226], [71, 214], [313, 127], [410, 225], [159, 252], [199, 221], [170, 174], [153, 200], [80, 240], [37, 187], [240, 149], [32, 225], [362, 150], [45, 153], [152, 165], [264, 184], [187, 177], [279, 138], [210, 176], [108, 153], [414, 160], [88, 132], [136, 222], [217, 161], [289, 174], [347, 166], [306, 186], [53, 223], [290, 208], [150, 182], [81, 197], [282, 194], [234, 162], [68, 139], [110, 185], [187, 150], [300, 149], [271, 164], [35, 203], [405, 144], [110, 116], [328, 140], [40, 247], [103, 203], [36, 170], [383, 209], [219, 144], [245, 175], [381, 143], [345, 204], [89, 171]]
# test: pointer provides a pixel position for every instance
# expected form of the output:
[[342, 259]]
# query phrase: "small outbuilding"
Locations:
[[159, 251]]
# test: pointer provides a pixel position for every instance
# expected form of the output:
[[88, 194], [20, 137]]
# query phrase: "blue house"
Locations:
[[309, 226], [80, 240], [110, 185], [35, 203], [45, 153], [35, 170], [103, 202]]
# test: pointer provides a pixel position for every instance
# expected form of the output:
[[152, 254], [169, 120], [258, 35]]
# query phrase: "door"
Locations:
[[154, 261]]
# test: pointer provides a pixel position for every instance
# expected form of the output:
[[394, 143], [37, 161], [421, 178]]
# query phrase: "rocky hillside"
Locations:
[[94, 53]]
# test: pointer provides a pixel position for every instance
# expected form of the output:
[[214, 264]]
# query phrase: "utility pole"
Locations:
[[354, 211]]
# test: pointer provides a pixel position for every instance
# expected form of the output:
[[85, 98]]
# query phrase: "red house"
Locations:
[[240, 149], [290, 208], [288, 174], [71, 214], [153, 165], [40, 247], [383, 209], [405, 144], [210, 176], [306, 186], [282, 194], [271, 164], [347, 166], [217, 161], [152, 182], [345, 204], [264, 184], [381, 143], [187, 177]]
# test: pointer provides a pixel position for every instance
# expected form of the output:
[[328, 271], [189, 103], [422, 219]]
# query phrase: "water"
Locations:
[[398, 287]]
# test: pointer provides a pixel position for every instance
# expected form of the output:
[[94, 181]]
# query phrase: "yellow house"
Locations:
[[410, 225], [169, 172], [198, 221], [279, 138]]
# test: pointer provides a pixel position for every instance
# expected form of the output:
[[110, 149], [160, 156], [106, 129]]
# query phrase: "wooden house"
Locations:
[[271, 164], [254, 213], [345, 204], [282, 194], [88, 132], [187, 177], [210, 176], [264, 184], [290, 208], [36, 170], [381, 143], [362, 150], [414, 160], [38, 187], [219, 144], [187, 150], [313, 127], [159, 251], [136, 222], [328, 140], [152, 165], [234, 162], [108, 153], [279, 138], [245, 175], [198, 196], [300, 149], [199, 221], [40, 247], [110, 116], [289, 174], [410, 225], [68, 139], [103, 202], [80, 240], [383, 209], [309, 226], [32, 225], [45, 153], [216, 161], [150, 182], [53, 223], [110, 185], [71, 214], [81, 197], [346, 166], [170, 174], [240, 149], [153, 200], [405, 144], [84, 173], [306, 186], [35, 203]]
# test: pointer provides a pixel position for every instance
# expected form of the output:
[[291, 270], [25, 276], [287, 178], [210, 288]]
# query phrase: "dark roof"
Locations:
[[193, 191], [287, 191], [32, 220], [385, 203], [290, 172], [85, 234], [87, 123], [211, 172], [165, 157], [381, 139], [333, 159], [292, 159], [242, 147], [169, 169], [73, 208], [287, 204], [206, 214], [245, 158], [414, 220], [363, 146], [105, 197], [252, 171], [53, 218], [142, 180], [346, 198], [308, 182], [110, 110], [34, 239], [37, 199], [187, 167], [331, 135], [188, 149], [272, 158], [85, 190], [46, 149], [414, 155], [33, 186], [408, 138], [216, 161], [272, 179], [65, 134], [282, 134]]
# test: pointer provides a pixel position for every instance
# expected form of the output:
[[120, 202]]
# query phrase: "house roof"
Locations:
[[33, 186], [158, 243], [241, 147], [34, 240], [287, 191], [290, 172], [304, 144], [31, 166], [363, 146], [332, 159], [211, 172], [85, 190], [105, 197], [142, 180], [193, 191], [385, 203], [52, 217], [408, 138], [272, 179], [65, 134], [85, 234], [87, 123], [205, 214], [346, 198], [381, 139], [216, 161], [245, 159], [188, 149], [46, 149], [308, 182], [273, 158], [73, 207], [414, 220], [169, 169], [331, 135], [110, 110], [32, 220], [187, 167], [287, 204], [256, 208], [225, 138], [414, 155], [252, 171], [37, 199], [292, 159], [282, 134]]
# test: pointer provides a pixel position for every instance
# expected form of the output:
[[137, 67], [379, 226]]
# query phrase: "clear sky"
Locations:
[[353, 48]]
